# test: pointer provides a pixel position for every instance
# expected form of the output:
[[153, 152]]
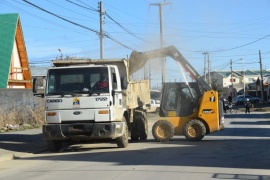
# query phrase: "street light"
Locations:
[[61, 54]]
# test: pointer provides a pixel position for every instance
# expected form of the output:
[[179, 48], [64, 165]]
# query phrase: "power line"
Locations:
[[237, 47], [91, 9], [131, 33], [13, 6], [74, 23], [70, 9]]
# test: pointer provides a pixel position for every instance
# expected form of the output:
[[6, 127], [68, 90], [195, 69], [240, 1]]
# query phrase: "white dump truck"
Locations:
[[91, 100]]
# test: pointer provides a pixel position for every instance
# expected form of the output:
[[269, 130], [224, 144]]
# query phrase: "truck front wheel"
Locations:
[[54, 145], [122, 141], [194, 130]]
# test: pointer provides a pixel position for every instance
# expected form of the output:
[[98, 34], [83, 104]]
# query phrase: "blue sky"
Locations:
[[227, 30]]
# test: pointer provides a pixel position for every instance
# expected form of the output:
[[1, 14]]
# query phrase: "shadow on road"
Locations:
[[235, 153], [24, 143], [231, 148], [252, 115]]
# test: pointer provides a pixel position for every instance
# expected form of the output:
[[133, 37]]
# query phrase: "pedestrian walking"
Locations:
[[230, 99], [224, 105], [248, 104]]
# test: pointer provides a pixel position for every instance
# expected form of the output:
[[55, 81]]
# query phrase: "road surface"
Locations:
[[241, 151]]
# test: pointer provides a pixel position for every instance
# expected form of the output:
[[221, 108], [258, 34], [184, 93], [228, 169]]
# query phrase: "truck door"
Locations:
[[116, 95]]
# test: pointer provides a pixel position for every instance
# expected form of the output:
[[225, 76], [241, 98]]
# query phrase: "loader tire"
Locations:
[[122, 141], [194, 130], [163, 130], [143, 127], [54, 145]]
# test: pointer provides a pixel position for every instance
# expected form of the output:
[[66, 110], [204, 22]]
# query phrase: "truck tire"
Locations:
[[54, 145], [157, 110], [143, 126], [163, 130], [194, 130], [134, 131], [122, 141]]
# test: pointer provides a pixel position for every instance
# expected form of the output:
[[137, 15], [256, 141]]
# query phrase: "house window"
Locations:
[[251, 79]]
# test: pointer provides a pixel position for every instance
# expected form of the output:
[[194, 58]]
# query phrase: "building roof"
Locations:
[[39, 70], [247, 73], [10, 32]]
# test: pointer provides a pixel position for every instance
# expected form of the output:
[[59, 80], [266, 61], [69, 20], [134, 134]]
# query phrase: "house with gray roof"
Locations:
[[238, 79]]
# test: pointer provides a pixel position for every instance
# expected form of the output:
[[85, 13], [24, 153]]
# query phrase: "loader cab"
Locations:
[[178, 100]]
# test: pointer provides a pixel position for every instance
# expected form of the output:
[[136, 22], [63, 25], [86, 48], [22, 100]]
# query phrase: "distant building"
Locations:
[[237, 79], [14, 66]]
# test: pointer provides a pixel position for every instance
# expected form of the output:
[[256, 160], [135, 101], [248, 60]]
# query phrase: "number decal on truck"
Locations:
[[101, 99], [54, 100]]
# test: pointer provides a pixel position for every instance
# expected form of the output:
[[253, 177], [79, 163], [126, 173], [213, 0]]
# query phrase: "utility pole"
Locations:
[[209, 69], [262, 88], [101, 32], [161, 36], [231, 73], [244, 77], [204, 68], [149, 74]]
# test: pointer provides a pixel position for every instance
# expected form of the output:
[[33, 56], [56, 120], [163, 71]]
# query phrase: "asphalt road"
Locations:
[[241, 151]]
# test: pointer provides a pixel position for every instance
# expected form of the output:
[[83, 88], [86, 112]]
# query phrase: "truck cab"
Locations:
[[93, 100]]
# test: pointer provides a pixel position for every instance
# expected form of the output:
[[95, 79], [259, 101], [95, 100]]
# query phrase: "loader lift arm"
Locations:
[[139, 59]]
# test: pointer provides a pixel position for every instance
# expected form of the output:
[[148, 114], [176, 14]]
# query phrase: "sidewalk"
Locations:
[[16, 144]]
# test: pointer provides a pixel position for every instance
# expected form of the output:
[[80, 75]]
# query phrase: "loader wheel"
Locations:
[[54, 145], [122, 141], [143, 126], [194, 130], [163, 130]]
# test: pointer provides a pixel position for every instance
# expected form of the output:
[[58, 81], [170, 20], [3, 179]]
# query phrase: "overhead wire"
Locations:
[[117, 23], [74, 23], [231, 48], [91, 9], [44, 19], [72, 10], [131, 33]]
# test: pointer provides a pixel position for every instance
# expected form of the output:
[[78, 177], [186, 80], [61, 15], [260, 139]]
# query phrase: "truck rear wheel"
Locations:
[[163, 130], [194, 130], [134, 131], [122, 141], [54, 145], [143, 126]]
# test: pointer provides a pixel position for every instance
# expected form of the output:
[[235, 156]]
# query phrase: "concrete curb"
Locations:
[[6, 157]]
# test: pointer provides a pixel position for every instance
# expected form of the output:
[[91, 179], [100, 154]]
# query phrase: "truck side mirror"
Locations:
[[38, 87], [124, 83], [34, 86]]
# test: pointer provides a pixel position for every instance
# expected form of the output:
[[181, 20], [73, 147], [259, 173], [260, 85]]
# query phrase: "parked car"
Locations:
[[155, 105], [240, 99]]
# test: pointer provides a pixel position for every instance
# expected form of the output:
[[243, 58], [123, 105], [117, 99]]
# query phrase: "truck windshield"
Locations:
[[77, 80]]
